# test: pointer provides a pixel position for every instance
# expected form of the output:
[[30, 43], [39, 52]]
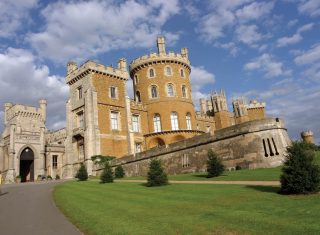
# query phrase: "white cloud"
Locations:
[[13, 14], [248, 34], [80, 29], [23, 81], [305, 27], [310, 7], [254, 11], [285, 41], [309, 56], [292, 22], [267, 64]]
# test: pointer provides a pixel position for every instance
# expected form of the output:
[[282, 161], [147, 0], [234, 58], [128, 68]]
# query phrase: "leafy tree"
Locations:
[[119, 172], [300, 173], [82, 173], [214, 165], [107, 174], [156, 174]]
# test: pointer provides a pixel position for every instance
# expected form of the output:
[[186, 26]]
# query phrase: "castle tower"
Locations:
[[7, 106], [161, 82], [240, 111], [307, 136], [256, 110], [219, 107], [43, 109]]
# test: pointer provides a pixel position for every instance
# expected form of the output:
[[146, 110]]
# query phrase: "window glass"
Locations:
[[114, 120], [157, 123], [174, 121], [170, 90], [135, 123], [154, 92], [188, 120]]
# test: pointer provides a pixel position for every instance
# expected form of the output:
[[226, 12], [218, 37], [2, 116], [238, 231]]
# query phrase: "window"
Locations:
[[174, 121], [79, 91], [135, 123], [184, 91], [182, 73], [138, 97], [114, 120], [80, 119], [168, 71], [138, 147], [208, 129], [151, 73], [170, 90], [154, 91], [54, 161], [185, 161], [157, 123], [113, 92], [188, 121], [136, 80]]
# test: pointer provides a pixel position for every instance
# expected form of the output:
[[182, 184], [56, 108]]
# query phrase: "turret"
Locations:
[[161, 45], [240, 110], [43, 109], [307, 136], [203, 106], [122, 64], [71, 66], [7, 106], [220, 109], [184, 52]]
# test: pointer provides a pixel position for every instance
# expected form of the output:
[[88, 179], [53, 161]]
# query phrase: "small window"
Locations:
[[151, 73], [80, 118], [168, 71], [188, 121], [174, 121], [79, 91], [54, 161], [113, 92], [138, 147], [138, 97], [184, 91], [182, 73], [154, 91], [170, 90], [135, 123], [114, 120], [136, 79], [157, 123]]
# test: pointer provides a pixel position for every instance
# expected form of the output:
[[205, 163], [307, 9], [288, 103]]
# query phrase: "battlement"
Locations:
[[306, 133], [203, 117], [55, 136], [91, 66], [23, 111], [255, 104]]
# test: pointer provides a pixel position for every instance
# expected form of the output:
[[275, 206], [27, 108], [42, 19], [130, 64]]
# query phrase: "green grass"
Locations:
[[131, 208]]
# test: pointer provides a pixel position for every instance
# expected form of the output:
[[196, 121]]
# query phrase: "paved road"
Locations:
[[29, 209]]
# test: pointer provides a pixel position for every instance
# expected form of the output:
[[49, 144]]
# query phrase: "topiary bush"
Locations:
[[119, 172], [214, 165], [82, 173], [156, 174], [300, 173], [107, 174]]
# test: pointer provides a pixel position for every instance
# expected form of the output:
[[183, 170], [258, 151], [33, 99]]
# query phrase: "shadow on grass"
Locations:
[[265, 189]]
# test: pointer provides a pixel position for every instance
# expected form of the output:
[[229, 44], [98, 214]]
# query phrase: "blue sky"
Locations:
[[264, 50]]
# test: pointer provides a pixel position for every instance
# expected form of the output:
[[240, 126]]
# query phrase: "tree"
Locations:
[[300, 173], [156, 174], [214, 165], [82, 173], [119, 172], [107, 174]]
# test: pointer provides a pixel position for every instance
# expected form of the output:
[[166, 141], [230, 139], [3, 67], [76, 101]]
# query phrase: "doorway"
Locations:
[[27, 165]]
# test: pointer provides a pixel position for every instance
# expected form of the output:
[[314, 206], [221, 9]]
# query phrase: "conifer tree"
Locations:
[[82, 173], [300, 173], [156, 174], [119, 172], [214, 165], [107, 174]]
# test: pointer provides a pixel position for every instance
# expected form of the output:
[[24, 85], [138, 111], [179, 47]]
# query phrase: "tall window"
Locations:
[[80, 119], [188, 121], [136, 80], [138, 97], [54, 161], [135, 123], [114, 120], [138, 147], [182, 73], [174, 121], [157, 123], [170, 90], [154, 92], [151, 73], [79, 91], [168, 71], [184, 91], [113, 92]]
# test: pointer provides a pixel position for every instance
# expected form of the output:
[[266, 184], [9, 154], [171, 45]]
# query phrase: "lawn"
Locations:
[[131, 208]]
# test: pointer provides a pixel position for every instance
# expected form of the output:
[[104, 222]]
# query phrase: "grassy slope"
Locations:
[[130, 208]]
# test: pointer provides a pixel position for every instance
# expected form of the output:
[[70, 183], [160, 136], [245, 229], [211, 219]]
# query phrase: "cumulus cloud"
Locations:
[[310, 56], [80, 29], [254, 11], [267, 64], [13, 14], [310, 7], [285, 41], [23, 81], [248, 34]]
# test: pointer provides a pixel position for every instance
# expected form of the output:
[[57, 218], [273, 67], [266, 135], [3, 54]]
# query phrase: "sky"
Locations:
[[264, 50]]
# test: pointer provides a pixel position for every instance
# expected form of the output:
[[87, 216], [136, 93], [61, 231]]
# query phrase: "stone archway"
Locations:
[[27, 165], [155, 142]]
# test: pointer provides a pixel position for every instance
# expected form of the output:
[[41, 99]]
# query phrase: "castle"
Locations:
[[160, 121]]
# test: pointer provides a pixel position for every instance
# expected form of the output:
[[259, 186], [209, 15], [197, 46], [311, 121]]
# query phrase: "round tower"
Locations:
[[307, 136], [161, 82]]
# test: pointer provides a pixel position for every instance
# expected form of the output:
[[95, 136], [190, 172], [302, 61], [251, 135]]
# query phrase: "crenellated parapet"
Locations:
[[23, 112], [56, 136], [255, 105], [75, 73]]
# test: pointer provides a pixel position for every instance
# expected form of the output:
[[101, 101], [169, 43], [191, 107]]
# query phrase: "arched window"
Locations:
[[182, 73], [154, 91], [184, 91], [188, 121], [168, 71], [151, 73], [170, 90], [157, 123], [174, 121], [138, 97]]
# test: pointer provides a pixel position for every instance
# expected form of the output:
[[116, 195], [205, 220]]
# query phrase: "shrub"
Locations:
[[214, 165], [57, 177], [119, 172], [107, 174], [156, 174], [49, 177], [300, 173], [238, 168], [101, 160], [82, 173]]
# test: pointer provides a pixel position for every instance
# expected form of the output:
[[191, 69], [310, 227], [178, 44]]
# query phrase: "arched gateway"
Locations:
[[27, 165]]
